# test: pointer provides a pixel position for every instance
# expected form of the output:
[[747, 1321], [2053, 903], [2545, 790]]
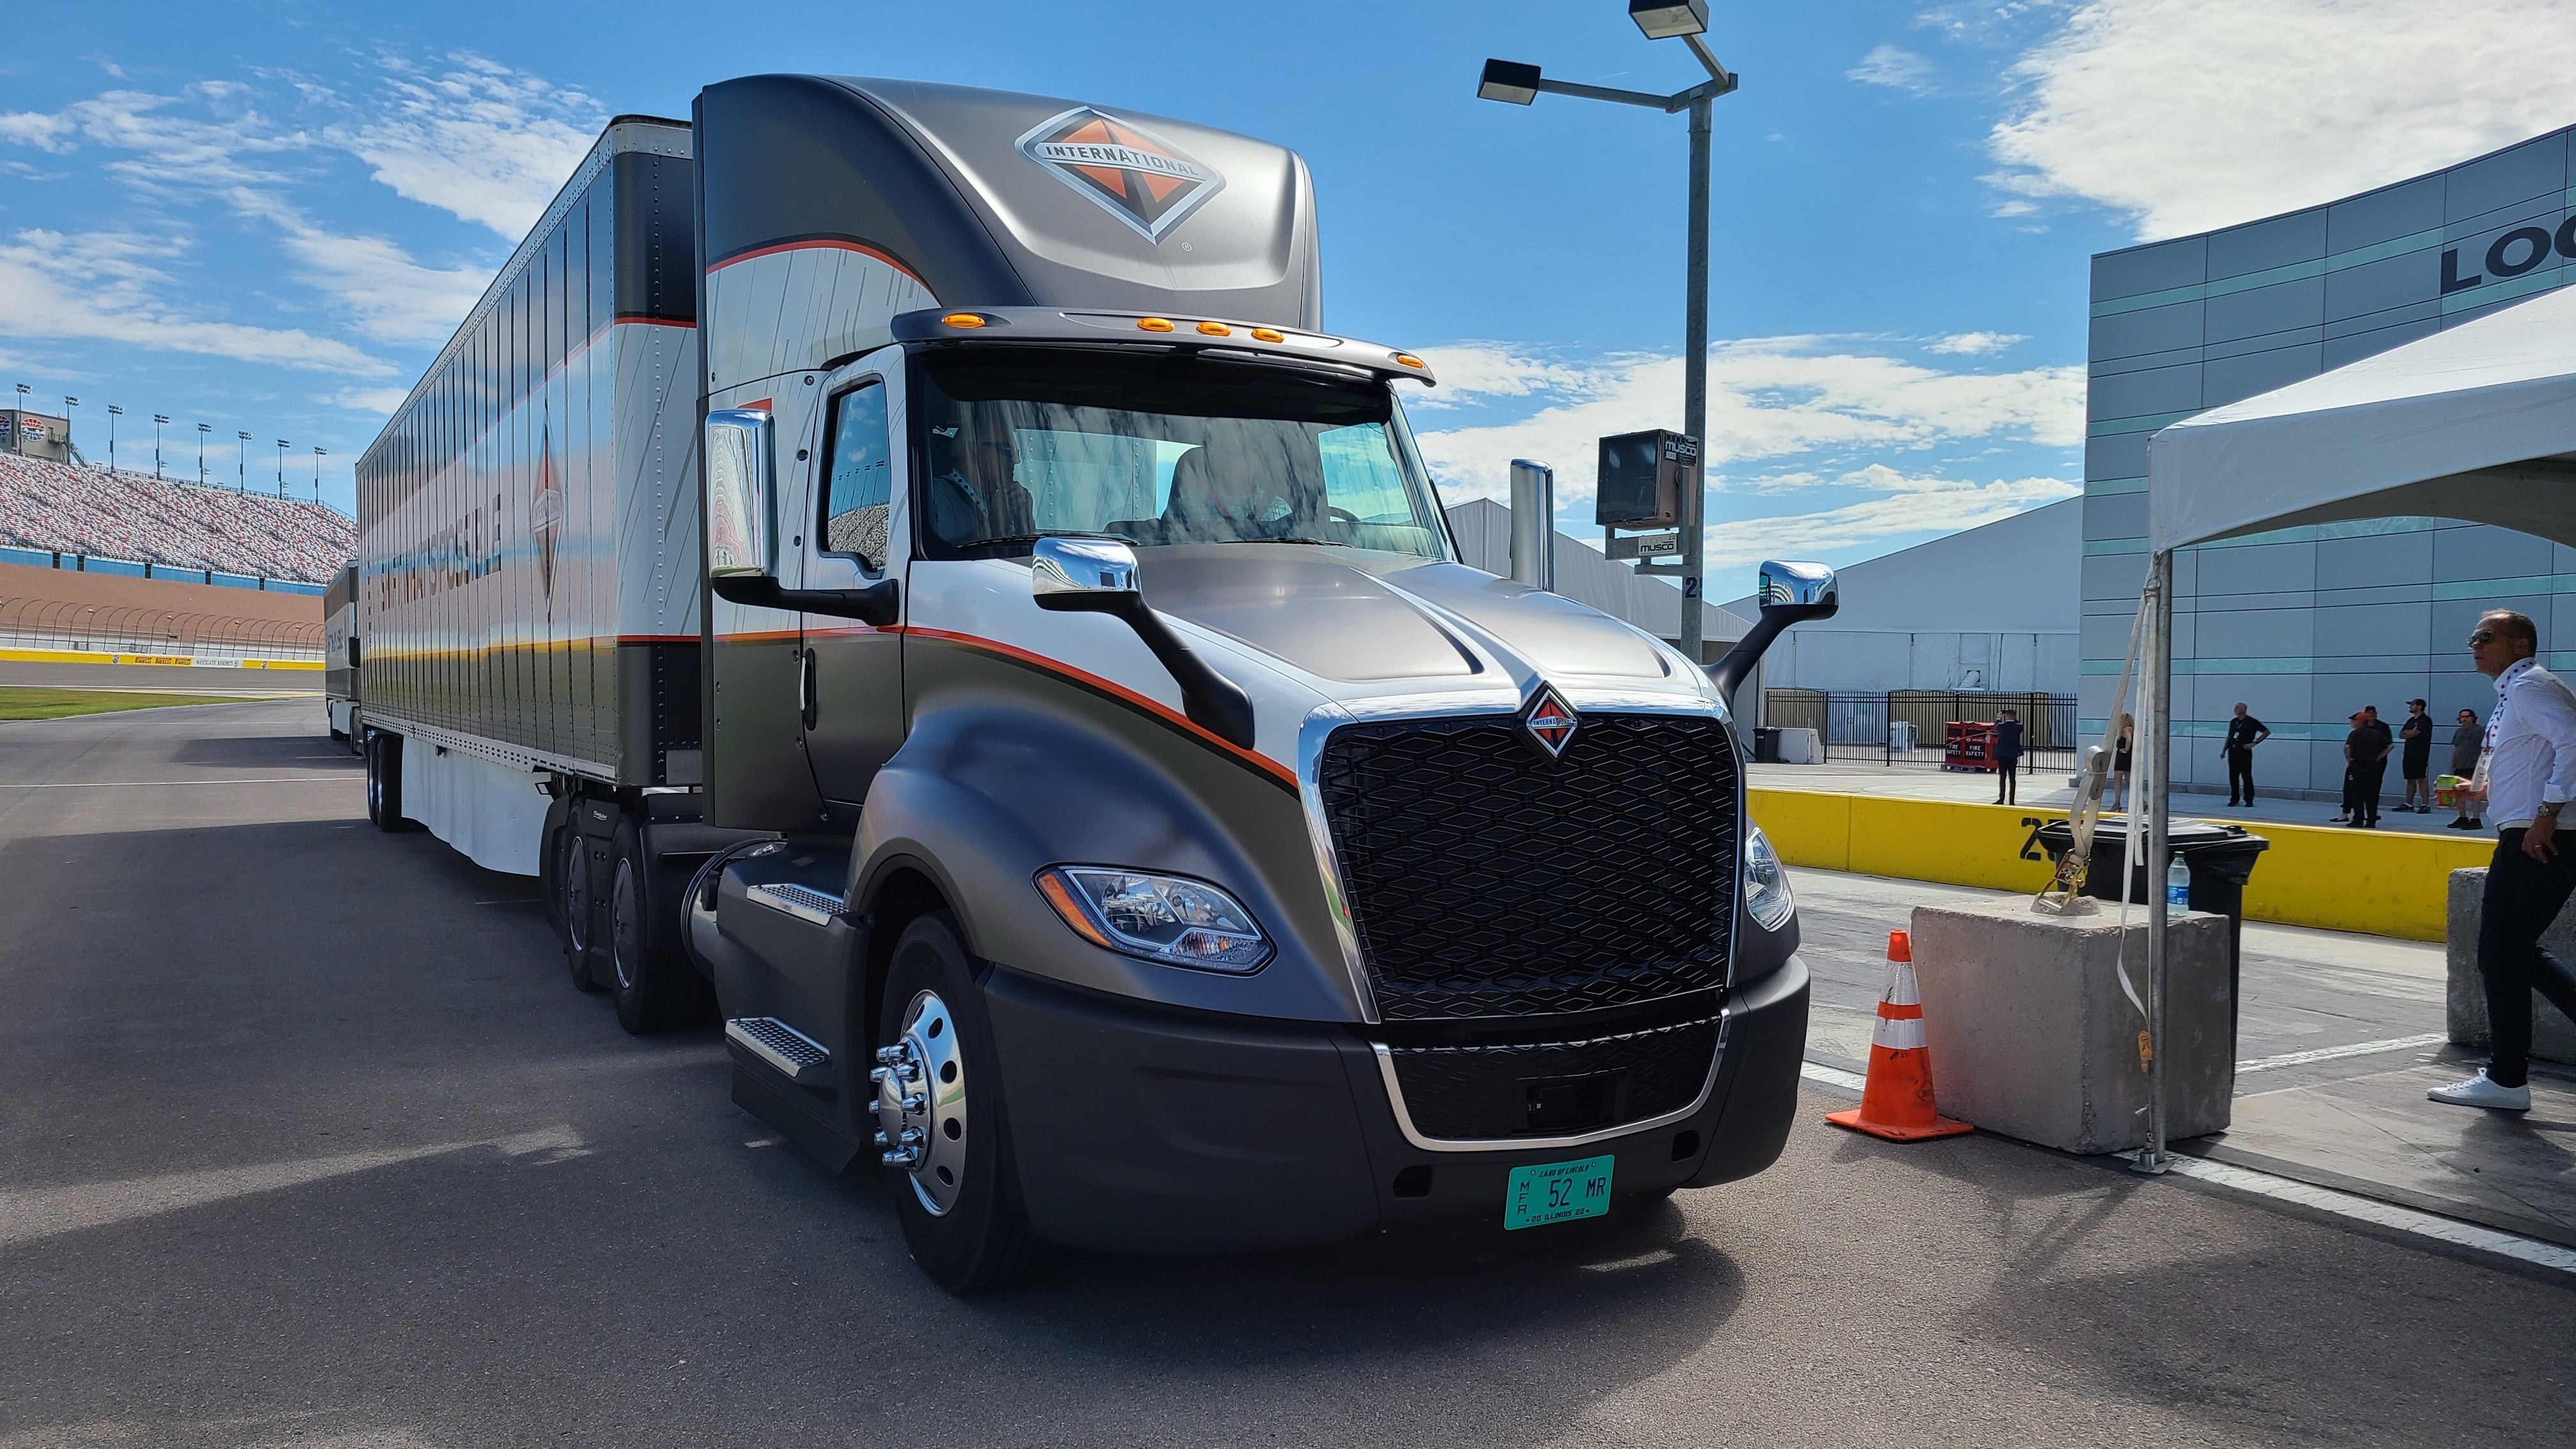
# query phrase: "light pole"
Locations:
[[1518, 84], [159, 421], [69, 402], [281, 467], [318, 456], [202, 430], [241, 465], [113, 413], [18, 426]]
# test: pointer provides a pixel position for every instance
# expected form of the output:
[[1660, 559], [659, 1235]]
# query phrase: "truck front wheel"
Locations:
[[939, 1113]]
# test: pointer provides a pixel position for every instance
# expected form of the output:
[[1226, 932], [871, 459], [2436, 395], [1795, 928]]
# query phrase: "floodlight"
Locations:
[[1664, 19], [1508, 80]]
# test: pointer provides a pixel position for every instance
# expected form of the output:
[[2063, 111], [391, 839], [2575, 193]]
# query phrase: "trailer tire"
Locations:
[[576, 912], [384, 783], [983, 1241], [654, 986]]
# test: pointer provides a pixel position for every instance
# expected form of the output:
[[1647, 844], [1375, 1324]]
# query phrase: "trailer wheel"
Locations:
[[384, 783], [576, 912], [654, 986], [957, 1189]]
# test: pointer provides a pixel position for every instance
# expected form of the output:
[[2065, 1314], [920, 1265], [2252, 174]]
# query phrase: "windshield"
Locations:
[[1168, 448]]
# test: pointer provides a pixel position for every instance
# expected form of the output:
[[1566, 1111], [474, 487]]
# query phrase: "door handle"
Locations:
[[805, 700]]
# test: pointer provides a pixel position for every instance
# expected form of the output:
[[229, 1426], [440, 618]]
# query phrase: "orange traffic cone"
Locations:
[[1896, 1101]]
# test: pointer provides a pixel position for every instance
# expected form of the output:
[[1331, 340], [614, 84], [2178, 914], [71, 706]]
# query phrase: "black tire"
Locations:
[[384, 783], [576, 913], [983, 1241], [654, 986]]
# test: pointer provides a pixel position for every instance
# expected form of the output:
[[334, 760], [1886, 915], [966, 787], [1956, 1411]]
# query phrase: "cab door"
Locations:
[[853, 536]]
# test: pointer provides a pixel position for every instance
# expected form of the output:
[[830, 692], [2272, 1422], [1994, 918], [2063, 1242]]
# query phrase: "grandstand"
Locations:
[[179, 528]]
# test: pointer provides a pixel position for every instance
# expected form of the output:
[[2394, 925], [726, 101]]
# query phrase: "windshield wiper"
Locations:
[[1319, 542]]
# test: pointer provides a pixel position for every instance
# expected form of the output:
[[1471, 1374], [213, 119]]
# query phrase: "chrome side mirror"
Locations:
[[1080, 566], [1805, 587], [741, 482], [1789, 593]]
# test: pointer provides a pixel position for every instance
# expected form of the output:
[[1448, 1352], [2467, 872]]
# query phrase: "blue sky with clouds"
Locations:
[[267, 216]]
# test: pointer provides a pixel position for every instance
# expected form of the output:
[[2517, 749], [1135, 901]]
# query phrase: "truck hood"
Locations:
[[1377, 619]]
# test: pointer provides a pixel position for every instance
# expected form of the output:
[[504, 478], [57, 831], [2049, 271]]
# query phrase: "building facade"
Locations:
[[2306, 625]]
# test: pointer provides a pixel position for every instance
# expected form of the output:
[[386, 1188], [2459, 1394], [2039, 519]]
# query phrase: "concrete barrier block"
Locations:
[[2553, 1036], [2032, 1037]]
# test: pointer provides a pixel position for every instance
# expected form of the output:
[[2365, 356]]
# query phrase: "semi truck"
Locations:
[[907, 570], [340, 655]]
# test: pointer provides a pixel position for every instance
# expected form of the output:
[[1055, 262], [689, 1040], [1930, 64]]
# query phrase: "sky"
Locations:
[[267, 216]]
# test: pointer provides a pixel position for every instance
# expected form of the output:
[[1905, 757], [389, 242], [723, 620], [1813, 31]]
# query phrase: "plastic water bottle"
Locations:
[[2178, 885]]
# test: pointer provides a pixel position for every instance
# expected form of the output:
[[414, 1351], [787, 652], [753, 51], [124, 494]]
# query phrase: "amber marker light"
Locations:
[[1060, 896], [1153, 324], [962, 319], [1408, 359], [1215, 329], [1269, 334]]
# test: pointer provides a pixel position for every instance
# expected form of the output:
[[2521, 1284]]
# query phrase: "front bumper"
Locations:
[[1138, 1129]]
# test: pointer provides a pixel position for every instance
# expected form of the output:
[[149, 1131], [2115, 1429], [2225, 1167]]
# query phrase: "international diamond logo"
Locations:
[[1128, 171], [1550, 720]]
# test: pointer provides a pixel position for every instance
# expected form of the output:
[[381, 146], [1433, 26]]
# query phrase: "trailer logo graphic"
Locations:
[[1128, 171], [1550, 720], [545, 509]]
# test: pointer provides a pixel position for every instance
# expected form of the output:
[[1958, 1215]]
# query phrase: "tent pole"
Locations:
[[2154, 802]]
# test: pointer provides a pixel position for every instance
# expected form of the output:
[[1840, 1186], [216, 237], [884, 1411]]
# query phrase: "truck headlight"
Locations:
[[1766, 883], [1167, 918]]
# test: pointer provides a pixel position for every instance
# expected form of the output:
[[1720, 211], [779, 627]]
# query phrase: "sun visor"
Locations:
[[991, 198]]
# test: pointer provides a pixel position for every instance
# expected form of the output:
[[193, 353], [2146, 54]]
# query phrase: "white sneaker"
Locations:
[[2477, 1091]]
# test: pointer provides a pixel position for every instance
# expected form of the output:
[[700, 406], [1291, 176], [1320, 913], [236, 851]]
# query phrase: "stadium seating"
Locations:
[[66, 509]]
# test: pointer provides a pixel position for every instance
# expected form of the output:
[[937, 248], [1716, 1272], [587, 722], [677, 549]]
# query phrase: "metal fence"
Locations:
[[37, 623], [1866, 728]]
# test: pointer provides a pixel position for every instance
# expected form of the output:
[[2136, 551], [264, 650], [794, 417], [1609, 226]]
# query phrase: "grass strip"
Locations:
[[20, 701]]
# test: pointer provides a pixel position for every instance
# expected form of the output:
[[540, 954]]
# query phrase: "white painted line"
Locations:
[[2383, 1214], [140, 784], [1832, 1076], [2355, 1049]]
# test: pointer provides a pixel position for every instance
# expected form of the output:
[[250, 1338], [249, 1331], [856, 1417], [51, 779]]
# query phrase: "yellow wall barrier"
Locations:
[[82, 656], [2381, 883]]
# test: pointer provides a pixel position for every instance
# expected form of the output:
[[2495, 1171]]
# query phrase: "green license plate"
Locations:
[[1557, 1192]]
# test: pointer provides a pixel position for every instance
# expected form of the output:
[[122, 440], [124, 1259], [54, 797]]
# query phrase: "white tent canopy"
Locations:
[[2476, 423]]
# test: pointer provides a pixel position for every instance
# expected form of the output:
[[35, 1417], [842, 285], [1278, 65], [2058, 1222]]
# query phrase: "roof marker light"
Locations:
[[1216, 329], [1153, 324], [1269, 334], [1408, 359], [962, 319]]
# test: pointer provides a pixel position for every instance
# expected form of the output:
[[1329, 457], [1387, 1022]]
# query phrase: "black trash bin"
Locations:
[[1766, 746], [2219, 857]]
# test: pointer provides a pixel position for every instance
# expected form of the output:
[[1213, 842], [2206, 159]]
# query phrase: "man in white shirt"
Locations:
[[2527, 773]]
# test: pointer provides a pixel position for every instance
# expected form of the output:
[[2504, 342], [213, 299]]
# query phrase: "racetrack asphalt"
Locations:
[[305, 1138]]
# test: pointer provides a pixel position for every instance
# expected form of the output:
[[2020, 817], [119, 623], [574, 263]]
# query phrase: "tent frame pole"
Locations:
[[2156, 740]]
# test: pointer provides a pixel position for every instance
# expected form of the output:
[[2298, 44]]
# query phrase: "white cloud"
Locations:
[[1894, 67], [386, 293], [2194, 114], [1974, 344], [488, 143], [105, 286], [380, 401], [1769, 397], [1910, 505]]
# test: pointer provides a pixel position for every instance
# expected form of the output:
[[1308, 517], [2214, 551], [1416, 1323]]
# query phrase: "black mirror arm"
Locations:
[[1737, 666], [1212, 701], [877, 605]]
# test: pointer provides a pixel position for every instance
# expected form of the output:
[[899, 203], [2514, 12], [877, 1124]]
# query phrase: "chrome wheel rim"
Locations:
[[576, 894], [921, 1103], [623, 927]]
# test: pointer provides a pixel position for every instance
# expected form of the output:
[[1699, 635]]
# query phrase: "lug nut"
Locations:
[[901, 1157], [881, 1139], [878, 1075], [888, 1056]]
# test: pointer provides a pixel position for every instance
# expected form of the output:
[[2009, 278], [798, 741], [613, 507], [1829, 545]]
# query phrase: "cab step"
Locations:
[[797, 1057], [815, 908]]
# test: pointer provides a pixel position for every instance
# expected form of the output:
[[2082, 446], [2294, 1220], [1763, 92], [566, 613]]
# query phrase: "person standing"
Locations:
[[2244, 732], [2007, 755], [2416, 758], [2528, 774], [2468, 741], [2120, 765], [2351, 769], [2370, 772]]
